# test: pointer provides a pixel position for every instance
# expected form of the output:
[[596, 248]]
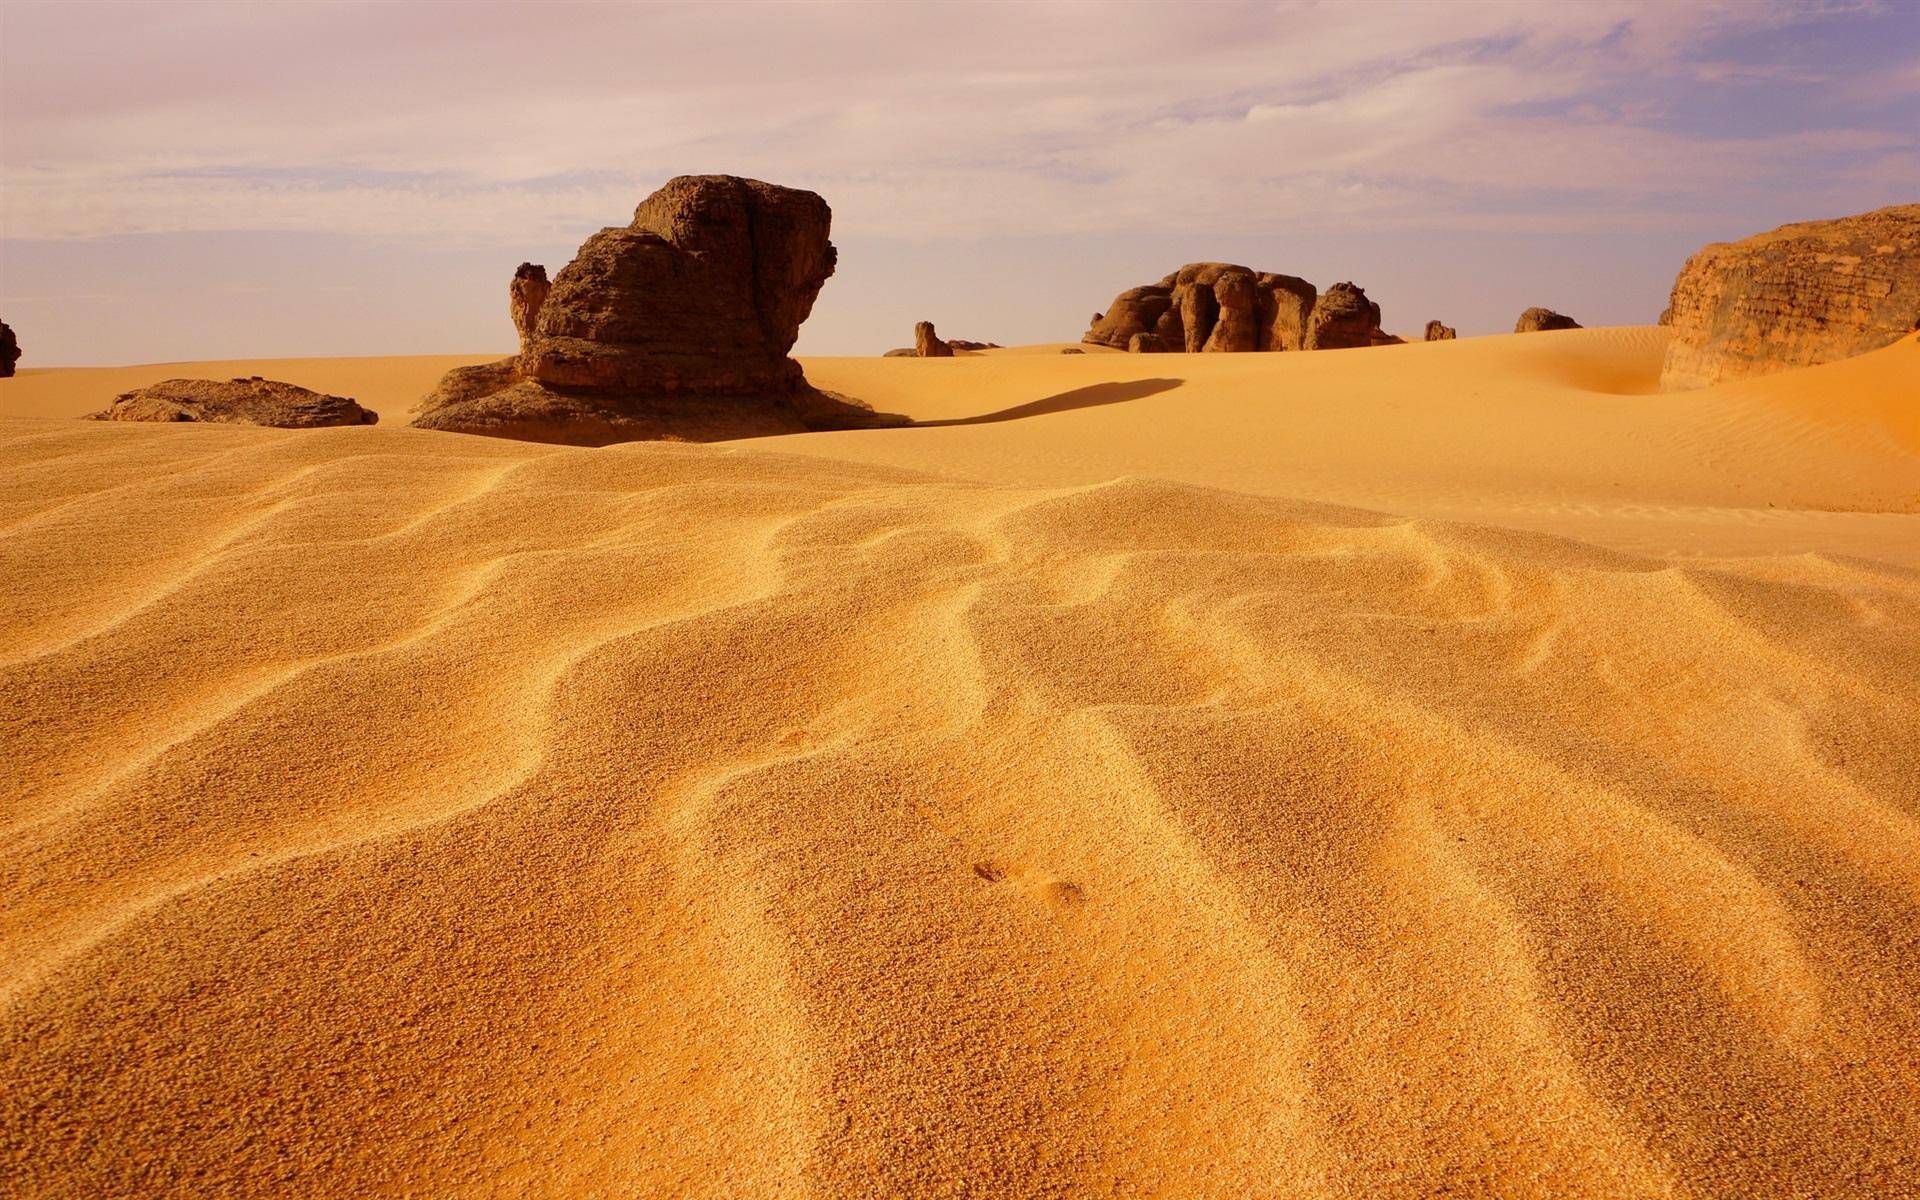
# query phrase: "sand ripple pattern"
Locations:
[[401, 816]]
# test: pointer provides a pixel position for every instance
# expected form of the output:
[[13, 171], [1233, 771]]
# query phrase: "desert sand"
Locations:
[[1444, 769]]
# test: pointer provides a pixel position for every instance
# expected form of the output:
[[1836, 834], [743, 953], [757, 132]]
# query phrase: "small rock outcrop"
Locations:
[[525, 295], [1802, 294], [1436, 332], [927, 343], [675, 326], [1344, 319], [1072, 350], [1228, 308], [250, 401], [1540, 320], [9, 350]]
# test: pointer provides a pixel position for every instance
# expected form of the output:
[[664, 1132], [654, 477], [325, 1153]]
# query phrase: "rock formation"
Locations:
[[1436, 332], [1072, 350], [927, 343], [250, 401], [9, 350], [1539, 320], [1802, 294], [674, 326], [1227, 308], [1344, 319], [525, 295]]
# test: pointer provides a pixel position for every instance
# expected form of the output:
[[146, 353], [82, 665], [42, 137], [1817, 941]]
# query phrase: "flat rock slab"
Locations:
[[250, 401]]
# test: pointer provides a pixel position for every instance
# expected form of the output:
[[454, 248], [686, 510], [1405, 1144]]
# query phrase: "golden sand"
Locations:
[[1446, 769]]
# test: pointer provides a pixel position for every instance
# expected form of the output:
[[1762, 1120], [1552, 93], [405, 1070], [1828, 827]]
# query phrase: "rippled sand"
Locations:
[[1436, 770]]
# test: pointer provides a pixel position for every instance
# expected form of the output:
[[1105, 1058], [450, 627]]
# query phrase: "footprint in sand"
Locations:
[[1057, 893]]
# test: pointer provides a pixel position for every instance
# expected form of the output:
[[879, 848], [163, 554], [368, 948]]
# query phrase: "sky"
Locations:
[[186, 181]]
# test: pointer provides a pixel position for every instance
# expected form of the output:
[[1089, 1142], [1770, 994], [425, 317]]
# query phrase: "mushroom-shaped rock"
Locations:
[[1541, 320], [525, 295], [676, 326], [1799, 295], [250, 401]]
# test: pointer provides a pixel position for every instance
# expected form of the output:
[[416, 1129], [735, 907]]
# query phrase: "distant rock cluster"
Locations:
[[928, 344], [1800, 295], [9, 350], [677, 326], [1224, 307], [1436, 332], [249, 401], [1541, 320]]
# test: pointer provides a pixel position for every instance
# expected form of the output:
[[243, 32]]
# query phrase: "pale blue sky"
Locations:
[[190, 181]]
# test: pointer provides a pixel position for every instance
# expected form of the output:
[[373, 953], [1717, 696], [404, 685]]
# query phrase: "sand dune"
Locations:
[[1436, 770]]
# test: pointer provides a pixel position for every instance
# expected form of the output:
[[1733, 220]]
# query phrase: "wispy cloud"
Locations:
[[916, 121]]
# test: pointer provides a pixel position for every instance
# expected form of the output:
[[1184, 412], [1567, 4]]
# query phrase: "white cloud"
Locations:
[[916, 121]]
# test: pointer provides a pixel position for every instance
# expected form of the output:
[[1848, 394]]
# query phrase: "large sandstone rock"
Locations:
[[1344, 319], [1800, 295], [675, 326], [927, 343], [1436, 332], [251, 401], [9, 350], [1211, 308], [525, 295], [1539, 320]]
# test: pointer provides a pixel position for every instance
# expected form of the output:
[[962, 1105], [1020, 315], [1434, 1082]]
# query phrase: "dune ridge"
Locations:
[[392, 812]]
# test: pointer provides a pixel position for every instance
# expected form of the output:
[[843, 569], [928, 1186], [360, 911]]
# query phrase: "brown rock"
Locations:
[[526, 294], [677, 325], [1343, 318], [1436, 332], [1541, 320], [9, 350], [927, 343], [1072, 350], [251, 401], [963, 344], [1145, 343], [1210, 307], [902, 352], [1800, 295], [1286, 306], [1136, 310]]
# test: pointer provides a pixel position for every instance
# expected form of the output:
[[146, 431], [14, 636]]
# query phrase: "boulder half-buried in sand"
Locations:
[[676, 326], [1543, 320], [1798, 296], [250, 401]]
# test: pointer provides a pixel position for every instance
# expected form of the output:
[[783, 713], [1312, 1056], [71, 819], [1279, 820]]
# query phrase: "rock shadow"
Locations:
[[1093, 396]]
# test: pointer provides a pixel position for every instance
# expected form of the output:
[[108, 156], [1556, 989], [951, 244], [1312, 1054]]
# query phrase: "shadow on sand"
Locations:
[[1086, 397]]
